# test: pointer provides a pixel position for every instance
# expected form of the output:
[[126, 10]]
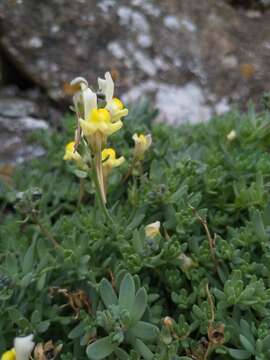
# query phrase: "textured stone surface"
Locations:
[[194, 57], [17, 120]]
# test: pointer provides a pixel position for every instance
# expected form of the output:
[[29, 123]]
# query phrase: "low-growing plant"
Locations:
[[165, 257]]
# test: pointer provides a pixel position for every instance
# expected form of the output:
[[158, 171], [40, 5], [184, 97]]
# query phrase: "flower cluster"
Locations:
[[99, 115]]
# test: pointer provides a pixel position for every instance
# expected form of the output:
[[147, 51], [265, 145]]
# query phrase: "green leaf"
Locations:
[[246, 331], [35, 317], [77, 331], [121, 354], [100, 349], [266, 343], [145, 331], [28, 259], [136, 221], [81, 174], [11, 264], [139, 306], [178, 195], [107, 293], [258, 225], [26, 280], [43, 326], [239, 354], [247, 344], [41, 281], [137, 242], [127, 293], [144, 350]]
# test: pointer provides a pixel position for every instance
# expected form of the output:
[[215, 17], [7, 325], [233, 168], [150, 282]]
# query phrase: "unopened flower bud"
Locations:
[[168, 322], [142, 144], [185, 262], [152, 230], [231, 136]]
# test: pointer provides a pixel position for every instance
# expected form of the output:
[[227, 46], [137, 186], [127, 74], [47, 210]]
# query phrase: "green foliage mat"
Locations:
[[199, 290]]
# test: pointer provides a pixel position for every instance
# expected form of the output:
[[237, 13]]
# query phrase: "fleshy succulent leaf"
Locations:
[[139, 305], [127, 293], [145, 331], [107, 293], [101, 348]]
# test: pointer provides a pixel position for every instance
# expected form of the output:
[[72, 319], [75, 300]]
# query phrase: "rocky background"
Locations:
[[192, 58]]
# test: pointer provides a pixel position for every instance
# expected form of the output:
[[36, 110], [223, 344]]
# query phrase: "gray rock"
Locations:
[[193, 57], [16, 108], [16, 123]]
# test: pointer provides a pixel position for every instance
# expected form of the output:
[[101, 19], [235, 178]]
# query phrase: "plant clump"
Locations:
[[149, 242]]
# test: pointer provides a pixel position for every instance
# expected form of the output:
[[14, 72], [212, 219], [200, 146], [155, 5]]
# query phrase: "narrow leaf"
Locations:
[[239, 354], [100, 349], [121, 354], [247, 344], [139, 306], [144, 350], [145, 331], [127, 293], [107, 293], [28, 259]]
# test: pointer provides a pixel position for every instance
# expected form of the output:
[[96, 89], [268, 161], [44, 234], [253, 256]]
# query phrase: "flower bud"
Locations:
[[152, 230], [231, 135], [185, 262], [168, 322], [142, 144]]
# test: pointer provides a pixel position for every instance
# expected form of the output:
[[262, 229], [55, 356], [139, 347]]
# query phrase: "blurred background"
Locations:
[[193, 58]]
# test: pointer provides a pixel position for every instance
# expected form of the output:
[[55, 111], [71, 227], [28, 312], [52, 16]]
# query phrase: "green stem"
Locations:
[[99, 171], [99, 192]]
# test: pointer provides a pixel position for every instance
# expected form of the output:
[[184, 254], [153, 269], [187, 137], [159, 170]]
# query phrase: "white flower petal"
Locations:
[[107, 86], [148, 140], [79, 80], [23, 347], [89, 101]]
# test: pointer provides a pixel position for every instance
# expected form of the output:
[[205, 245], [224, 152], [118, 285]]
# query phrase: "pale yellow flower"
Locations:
[[142, 144], [109, 159], [99, 121], [152, 230], [113, 104], [71, 155]]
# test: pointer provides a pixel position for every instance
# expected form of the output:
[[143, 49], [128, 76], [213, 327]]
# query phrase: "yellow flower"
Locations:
[[9, 355], [113, 104], [109, 160], [142, 144], [152, 230], [99, 121], [70, 154]]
